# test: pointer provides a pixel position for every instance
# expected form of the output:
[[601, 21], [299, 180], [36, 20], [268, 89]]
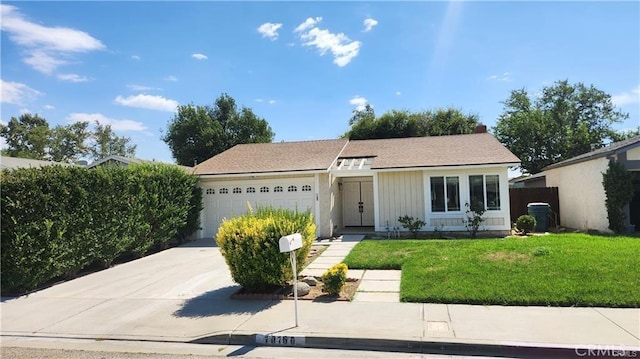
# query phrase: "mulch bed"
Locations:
[[286, 293]]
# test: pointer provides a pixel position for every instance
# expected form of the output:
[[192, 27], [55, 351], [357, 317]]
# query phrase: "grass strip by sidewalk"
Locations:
[[557, 270]]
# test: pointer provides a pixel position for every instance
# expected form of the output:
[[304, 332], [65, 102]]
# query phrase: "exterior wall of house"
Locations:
[[454, 220], [329, 213], [581, 194], [633, 154], [399, 194]]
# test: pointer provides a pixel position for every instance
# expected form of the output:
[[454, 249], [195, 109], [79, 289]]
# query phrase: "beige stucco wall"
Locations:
[[581, 194], [633, 154], [399, 194]]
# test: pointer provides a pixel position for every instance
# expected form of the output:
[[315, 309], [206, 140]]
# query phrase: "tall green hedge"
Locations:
[[58, 220]]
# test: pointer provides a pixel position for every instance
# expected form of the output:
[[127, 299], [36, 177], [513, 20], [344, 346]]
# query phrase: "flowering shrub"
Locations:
[[250, 246], [334, 279]]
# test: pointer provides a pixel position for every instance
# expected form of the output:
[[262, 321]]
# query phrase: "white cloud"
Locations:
[[171, 78], [627, 97], [116, 125], [45, 48], [359, 102], [272, 102], [17, 93], [24, 110], [149, 102], [43, 62], [342, 48], [199, 56], [135, 57], [504, 77], [140, 88], [48, 107], [259, 100], [73, 78], [309, 22], [269, 30], [369, 24], [398, 93]]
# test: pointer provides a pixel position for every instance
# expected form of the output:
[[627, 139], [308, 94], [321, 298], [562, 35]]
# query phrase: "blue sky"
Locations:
[[305, 66]]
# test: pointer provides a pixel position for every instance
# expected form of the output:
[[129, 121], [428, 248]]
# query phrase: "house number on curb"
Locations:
[[282, 340]]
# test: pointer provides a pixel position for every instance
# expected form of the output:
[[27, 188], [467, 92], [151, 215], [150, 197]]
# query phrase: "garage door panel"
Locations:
[[223, 203]]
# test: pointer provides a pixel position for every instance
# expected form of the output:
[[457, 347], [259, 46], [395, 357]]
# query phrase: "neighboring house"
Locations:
[[363, 183], [537, 180], [7, 162], [125, 161], [579, 182]]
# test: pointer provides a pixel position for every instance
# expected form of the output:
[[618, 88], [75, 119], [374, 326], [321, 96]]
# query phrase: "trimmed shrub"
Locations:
[[58, 220], [334, 279], [250, 246], [618, 187], [526, 223]]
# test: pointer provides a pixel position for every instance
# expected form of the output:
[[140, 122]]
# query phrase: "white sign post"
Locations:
[[289, 244]]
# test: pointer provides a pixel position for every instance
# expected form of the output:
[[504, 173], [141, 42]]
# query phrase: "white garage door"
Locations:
[[229, 199]]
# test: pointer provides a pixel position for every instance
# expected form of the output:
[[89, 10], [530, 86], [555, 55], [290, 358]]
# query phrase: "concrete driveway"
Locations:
[[175, 295]]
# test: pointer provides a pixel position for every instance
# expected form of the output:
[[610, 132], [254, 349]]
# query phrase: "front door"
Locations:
[[357, 201]]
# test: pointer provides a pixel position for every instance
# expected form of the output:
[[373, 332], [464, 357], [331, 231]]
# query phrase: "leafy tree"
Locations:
[[106, 143], [565, 121], [626, 134], [29, 136], [397, 124], [68, 143], [26, 136], [197, 133]]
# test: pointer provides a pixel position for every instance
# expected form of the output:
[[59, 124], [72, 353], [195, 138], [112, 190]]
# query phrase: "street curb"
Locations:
[[415, 346]]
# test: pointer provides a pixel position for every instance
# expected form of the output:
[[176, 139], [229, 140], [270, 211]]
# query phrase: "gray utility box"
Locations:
[[540, 211]]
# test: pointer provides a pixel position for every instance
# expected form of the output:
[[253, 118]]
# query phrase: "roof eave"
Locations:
[[261, 174], [444, 167]]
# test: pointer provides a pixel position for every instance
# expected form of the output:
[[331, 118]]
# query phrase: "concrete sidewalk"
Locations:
[[182, 295]]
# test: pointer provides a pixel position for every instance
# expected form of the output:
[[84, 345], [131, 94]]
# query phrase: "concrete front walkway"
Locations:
[[183, 295], [337, 250], [375, 285], [379, 286]]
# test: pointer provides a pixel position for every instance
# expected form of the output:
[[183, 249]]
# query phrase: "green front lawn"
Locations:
[[558, 270]]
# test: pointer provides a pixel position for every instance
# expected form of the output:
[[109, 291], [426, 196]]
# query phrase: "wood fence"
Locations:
[[520, 197]]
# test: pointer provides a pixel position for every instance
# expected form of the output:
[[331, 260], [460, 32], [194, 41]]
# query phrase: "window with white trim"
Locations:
[[264, 189], [237, 190], [484, 191], [277, 189], [211, 191], [445, 194], [306, 188], [292, 189], [223, 191], [251, 190]]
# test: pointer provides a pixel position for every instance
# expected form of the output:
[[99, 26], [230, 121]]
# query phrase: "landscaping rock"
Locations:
[[302, 288], [310, 281]]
